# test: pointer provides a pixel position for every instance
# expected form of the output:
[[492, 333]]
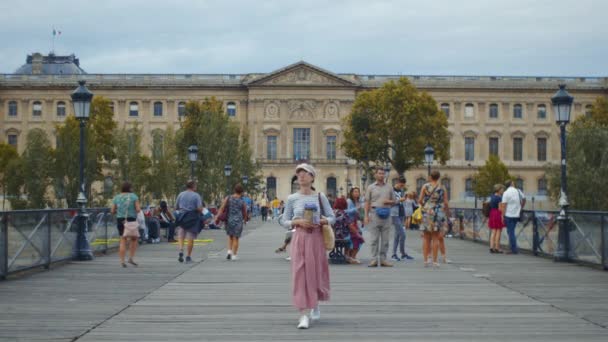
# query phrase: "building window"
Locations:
[[331, 147], [271, 147], [518, 147], [271, 187], [469, 148], [445, 108], [301, 143], [112, 107], [542, 186], [12, 108], [541, 112], [588, 110], [419, 184], [493, 111], [12, 140], [331, 186], [60, 108], [133, 109], [447, 184], [468, 187], [158, 109], [519, 183], [37, 109], [541, 148], [157, 145], [231, 109], [181, 109], [518, 111], [469, 110], [494, 146]]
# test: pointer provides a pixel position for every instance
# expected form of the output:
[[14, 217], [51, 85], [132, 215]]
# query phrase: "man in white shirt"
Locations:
[[512, 204]]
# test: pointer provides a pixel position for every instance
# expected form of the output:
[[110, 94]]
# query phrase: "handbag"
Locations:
[[131, 228], [329, 239], [223, 216], [417, 215]]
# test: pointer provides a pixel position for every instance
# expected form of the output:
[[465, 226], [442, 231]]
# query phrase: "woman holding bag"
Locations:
[[307, 211], [126, 207]]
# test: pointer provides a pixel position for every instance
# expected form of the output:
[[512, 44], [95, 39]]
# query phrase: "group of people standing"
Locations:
[[505, 207]]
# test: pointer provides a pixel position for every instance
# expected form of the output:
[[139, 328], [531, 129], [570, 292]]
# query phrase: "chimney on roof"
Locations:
[[36, 63]]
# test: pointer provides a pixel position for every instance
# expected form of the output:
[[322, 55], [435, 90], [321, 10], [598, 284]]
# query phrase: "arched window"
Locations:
[[133, 109], [181, 109], [468, 187], [447, 184], [469, 148], [493, 146], [37, 108], [519, 183], [158, 108], [331, 147], [231, 109], [12, 139], [518, 111], [541, 111], [445, 108], [271, 187], [60, 108], [469, 110], [419, 184], [493, 111], [331, 186], [518, 149], [12, 108], [542, 186]]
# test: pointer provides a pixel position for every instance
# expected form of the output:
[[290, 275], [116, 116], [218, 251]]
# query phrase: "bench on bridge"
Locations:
[[336, 255]]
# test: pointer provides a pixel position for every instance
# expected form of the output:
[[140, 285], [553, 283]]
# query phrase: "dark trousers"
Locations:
[[264, 214], [399, 240], [170, 226], [511, 223]]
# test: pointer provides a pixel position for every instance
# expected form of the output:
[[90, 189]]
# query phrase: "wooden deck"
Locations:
[[479, 297]]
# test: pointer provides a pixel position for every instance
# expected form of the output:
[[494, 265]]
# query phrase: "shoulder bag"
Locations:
[[131, 228], [329, 239]]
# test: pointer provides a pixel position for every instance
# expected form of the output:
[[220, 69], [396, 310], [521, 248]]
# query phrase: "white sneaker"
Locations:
[[315, 314], [235, 257], [288, 258], [304, 322]]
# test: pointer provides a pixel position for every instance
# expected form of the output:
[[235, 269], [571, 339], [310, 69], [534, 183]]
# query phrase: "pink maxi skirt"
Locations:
[[309, 269]]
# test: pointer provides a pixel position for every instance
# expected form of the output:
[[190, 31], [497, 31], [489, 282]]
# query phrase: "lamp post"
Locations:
[[429, 156], [341, 191], [562, 104], [363, 179], [349, 185], [387, 170], [245, 180], [193, 156], [81, 99], [227, 173]]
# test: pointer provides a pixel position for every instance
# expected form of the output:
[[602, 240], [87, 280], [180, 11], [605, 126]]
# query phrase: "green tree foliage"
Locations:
[[37, 165], [7, 154], [587, 161], [219, 143], [132, 165], [165, 167], [15, 180], [493, 172], [393, 124]]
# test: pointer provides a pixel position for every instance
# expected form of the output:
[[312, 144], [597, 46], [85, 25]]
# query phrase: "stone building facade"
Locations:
[[295, 113]]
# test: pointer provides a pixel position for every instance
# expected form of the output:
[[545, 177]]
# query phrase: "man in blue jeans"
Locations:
[[512, 204]]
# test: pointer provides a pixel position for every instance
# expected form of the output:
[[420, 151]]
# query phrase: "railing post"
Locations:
[[603, 242], [105, 216], [535, 237], [4, 247], [48, 241]]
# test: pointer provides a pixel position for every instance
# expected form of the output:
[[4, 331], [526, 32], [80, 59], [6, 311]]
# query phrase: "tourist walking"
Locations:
[[126, 207], [307, 211], [355, 209], [495, 219], [236, 210], [512, 204], [275, 204], [398, 220], [379, 199], [190, 206], [436, 209], [264, 203]]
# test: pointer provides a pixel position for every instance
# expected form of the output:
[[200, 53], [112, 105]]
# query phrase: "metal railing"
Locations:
[[38, 238], [538, 233]]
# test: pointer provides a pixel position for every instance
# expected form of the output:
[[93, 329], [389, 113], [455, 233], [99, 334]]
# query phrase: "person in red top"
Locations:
[[495, 220]]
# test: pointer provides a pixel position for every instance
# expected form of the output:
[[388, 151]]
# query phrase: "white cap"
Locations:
[[308, 168]]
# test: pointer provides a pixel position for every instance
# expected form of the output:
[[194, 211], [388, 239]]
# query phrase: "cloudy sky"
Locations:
[[466, 37]]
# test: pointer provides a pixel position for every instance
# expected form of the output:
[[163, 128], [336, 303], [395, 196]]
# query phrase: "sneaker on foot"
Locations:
[[288, 258], [395, 258], [407, 256], [234, 258], [304, 322], [228, 255], [188, 260], [181, 257], [315, 314]]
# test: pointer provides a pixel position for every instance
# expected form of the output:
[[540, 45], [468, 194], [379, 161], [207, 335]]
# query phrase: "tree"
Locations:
[[493, 172], [7, 153], [219, 143], [587, 161], [165, 166], [37, 163], [393, 124], [15, 181], [133, 166]]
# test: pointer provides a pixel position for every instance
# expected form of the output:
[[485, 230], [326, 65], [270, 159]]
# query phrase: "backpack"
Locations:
[[342, 225], [485, 209]]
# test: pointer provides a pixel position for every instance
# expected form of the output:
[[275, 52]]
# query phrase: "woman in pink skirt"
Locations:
[[495, 221], [307, 211]]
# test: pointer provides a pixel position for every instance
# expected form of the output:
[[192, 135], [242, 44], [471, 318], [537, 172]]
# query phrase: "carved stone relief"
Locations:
[[272, 111], [302, 109], [332, 111], [303, 76]]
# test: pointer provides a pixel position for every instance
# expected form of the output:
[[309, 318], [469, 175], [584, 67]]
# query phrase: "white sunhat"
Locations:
[[308, 168]]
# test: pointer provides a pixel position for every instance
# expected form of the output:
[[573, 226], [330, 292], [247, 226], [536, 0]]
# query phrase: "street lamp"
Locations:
[[341, 191], [387, 169], [349, 185], [245, 180], [562, 104], [363, 178], [193, 156], [429, 156], [81, 99], [227, 173]]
